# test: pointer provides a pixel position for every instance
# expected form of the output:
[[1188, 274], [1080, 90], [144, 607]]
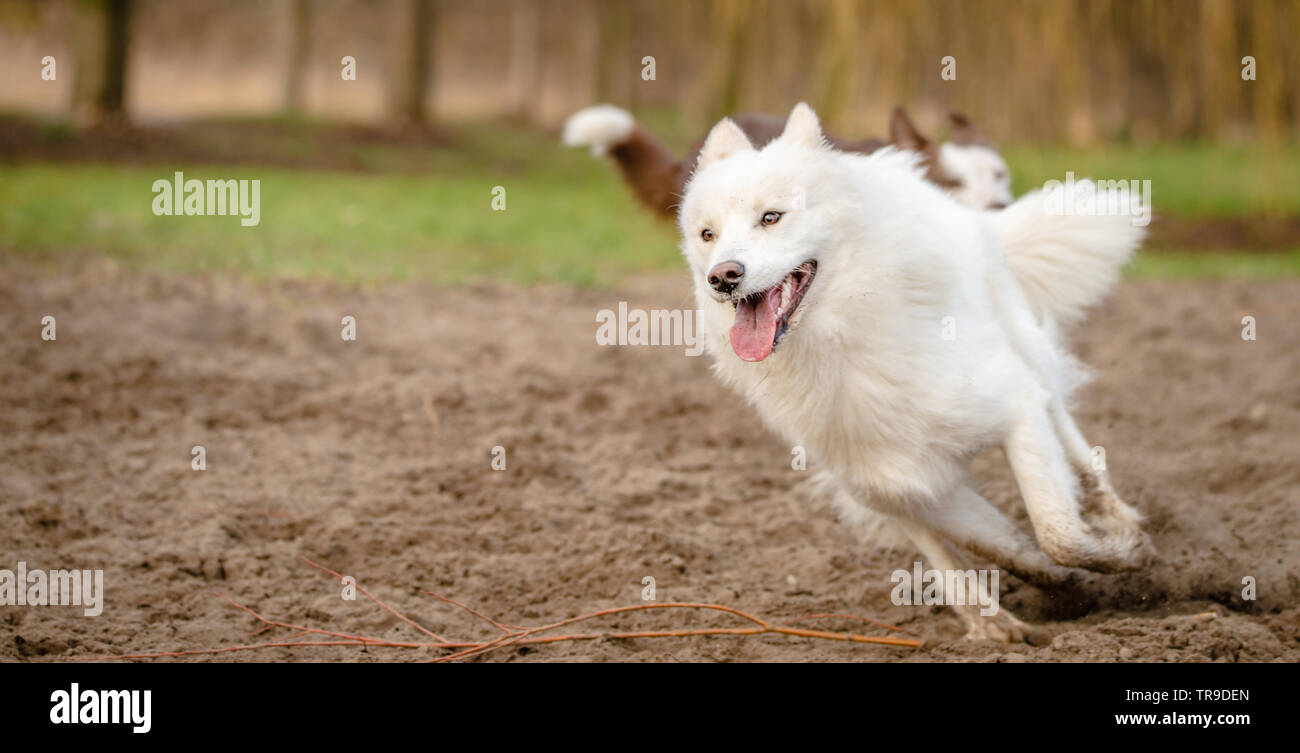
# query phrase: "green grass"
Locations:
[[1182, 265], [568, 217], [574, 225], [1187, 180]]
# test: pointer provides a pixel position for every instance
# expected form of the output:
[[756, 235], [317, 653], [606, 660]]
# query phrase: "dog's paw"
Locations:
[[1102, 551], [1120, 543], [1005, 627], [1126, 553], [1141, 554]]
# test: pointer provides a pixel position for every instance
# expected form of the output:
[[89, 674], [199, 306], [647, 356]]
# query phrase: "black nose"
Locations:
[[726, 276], [998, 205]]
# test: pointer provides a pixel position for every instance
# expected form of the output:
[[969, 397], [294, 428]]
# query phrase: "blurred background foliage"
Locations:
[[453, 97], [1077, 71]]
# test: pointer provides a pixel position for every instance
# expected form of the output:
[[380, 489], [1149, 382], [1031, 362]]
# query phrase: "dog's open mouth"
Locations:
[[763, 318]]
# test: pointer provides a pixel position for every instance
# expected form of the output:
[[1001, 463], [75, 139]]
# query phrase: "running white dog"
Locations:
[[894, 333]]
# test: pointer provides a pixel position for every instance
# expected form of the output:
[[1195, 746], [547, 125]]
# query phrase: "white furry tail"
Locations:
[[1066, 262], [599, 127]]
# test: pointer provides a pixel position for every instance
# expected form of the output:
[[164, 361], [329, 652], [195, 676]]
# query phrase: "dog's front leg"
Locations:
[[1051, 491], [1100, 504]]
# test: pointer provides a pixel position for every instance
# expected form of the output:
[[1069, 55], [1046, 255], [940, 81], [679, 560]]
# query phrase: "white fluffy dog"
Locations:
[[894, 333]]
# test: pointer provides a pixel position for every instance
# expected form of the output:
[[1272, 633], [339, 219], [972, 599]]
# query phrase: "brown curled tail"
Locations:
[[654, 173]]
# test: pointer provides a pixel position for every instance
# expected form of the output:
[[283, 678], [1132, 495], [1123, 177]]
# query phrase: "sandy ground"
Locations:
[[621, 463]]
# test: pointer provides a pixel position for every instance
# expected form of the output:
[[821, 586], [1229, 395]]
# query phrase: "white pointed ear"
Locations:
[[803, 128], [724, 140]]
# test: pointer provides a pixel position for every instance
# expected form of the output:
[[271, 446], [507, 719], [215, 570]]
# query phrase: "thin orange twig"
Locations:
[[515, 635], [371, 596]]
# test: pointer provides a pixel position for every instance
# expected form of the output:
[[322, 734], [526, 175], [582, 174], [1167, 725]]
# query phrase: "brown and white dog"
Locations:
[[968, 167]]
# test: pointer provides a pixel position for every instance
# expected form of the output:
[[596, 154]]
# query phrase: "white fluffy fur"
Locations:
[[984, 181], [1065, 263], [598, 127], [865, 380]]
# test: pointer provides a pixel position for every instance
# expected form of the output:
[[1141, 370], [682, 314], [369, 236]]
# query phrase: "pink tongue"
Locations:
[[755, 327]]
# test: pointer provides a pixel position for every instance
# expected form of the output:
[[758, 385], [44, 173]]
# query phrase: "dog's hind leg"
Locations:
[[1000, 626], [1051, 491], [970, 521], [965, 519]]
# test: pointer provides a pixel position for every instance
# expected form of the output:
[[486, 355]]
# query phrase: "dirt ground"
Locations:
[[374, 457]]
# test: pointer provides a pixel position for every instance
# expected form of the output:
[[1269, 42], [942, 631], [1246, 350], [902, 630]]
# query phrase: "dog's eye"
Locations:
[[771, 218], [706, 234]]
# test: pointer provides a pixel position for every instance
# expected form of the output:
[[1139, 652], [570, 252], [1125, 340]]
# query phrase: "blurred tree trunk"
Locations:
[[525, 58], [1268, 89], [411, 75], [679, 44], [616, 62], [1174, 30], [112, 95], [731, 20], [299, 32], [836, 78]]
